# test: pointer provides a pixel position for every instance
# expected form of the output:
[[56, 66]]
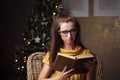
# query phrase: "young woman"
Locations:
[[65, 38]]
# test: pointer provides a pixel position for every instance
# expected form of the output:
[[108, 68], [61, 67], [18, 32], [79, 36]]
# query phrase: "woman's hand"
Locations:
[[64, 74], [90, 65]]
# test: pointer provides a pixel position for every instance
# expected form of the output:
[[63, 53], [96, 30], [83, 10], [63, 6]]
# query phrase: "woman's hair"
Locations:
[[56, 41]]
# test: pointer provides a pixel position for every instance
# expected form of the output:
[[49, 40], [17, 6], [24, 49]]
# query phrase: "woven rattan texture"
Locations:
[[34, 65]]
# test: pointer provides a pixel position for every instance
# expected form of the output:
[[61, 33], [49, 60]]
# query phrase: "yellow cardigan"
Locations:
[[76, 51]]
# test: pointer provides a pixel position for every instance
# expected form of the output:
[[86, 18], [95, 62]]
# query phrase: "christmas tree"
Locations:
[[37, 29], [36, 33]]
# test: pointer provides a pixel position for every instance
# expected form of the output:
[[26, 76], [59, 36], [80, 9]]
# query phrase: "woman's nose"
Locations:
[[69, 34]]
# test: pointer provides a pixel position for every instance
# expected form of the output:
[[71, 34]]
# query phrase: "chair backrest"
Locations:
[[99, 75], [34, 65]]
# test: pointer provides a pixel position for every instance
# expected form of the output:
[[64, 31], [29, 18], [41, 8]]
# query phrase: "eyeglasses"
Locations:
[[65, 32]]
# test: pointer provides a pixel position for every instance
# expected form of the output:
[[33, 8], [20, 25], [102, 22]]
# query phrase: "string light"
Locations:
[[25, 59], [22, 67], [56, 6], [22, 51], [28, 42], [18, 68], [54, 13], [16, 60], [24, 38]]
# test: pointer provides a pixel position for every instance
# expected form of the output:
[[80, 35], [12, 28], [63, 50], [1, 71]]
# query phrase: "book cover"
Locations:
[[75, 62]]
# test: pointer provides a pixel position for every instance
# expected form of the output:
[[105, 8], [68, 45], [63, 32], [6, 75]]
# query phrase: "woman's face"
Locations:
[[68, 32]]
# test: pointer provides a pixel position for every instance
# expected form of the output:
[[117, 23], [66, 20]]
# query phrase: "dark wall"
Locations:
[[102, 36], [14, 14]]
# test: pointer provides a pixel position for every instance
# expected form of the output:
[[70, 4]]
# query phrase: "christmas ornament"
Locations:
[[37, 40]]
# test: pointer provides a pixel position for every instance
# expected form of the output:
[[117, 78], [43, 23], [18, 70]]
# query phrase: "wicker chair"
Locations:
[[34, 66]]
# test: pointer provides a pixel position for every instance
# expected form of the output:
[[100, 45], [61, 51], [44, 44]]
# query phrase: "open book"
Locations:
[[75, 62]]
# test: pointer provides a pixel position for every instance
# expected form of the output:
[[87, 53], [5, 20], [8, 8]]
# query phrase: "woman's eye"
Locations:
[[64, 32], [73, 31]]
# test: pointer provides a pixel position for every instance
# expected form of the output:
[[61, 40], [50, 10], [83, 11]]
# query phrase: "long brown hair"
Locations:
[[56, 41]]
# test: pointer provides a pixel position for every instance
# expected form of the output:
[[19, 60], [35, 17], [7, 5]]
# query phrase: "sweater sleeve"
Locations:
[[46, 58], [85, 51]]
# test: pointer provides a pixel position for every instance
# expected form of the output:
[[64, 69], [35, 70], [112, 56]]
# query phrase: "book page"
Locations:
[[80, 56]]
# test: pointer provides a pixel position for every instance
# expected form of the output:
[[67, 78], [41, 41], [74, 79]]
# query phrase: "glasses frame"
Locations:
[[65, 32]]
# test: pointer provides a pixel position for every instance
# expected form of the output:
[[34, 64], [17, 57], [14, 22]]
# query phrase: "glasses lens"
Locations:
[[73, 31], [64, 32]]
